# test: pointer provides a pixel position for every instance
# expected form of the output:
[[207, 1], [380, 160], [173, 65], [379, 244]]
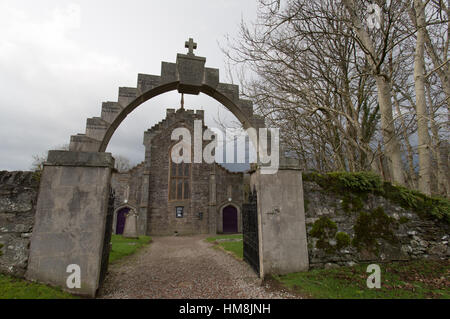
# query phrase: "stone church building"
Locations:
[[171, 198]]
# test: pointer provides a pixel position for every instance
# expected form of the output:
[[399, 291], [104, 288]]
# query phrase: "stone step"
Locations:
[[96, 128], [83, 143], [127, 95], [168, 72], [247, 107], [231, 91], [110, 110], [146, 82], [257, 121]]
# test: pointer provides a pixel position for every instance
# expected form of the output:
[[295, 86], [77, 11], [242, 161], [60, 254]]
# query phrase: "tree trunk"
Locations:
[[391, 144], [409, 149], [438, 148], [390, 141], [421, 105]]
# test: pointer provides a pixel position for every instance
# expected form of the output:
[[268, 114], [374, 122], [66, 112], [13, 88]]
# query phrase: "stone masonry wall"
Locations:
[[18, 195], [128, 192], [128, 184], [119, 183], [197, 214], [344, 229], [162, 218], [229, 186]]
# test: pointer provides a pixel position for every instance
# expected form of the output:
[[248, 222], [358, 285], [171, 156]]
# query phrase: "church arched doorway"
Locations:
[[120, 220], [230, 219]]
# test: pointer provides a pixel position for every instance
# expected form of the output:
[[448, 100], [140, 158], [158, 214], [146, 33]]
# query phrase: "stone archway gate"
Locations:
[[188, 75], [72, 205]]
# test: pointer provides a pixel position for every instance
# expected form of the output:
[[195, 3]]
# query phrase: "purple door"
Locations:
[[230, 219], [121, 216]]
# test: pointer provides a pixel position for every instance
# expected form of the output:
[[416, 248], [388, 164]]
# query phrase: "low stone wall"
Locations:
[[18, 195], [345, 228]]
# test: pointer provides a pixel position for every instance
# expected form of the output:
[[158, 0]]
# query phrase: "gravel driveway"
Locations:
[[184, 267]]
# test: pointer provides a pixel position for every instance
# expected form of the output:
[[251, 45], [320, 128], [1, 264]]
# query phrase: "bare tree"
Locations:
[[39, 160], [376, 49], [437, 38], [429, 20], [350, 96], [122, 164], [418, 17], [311, 77]]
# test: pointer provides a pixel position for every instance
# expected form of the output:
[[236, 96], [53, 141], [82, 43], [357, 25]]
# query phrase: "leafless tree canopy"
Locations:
[[39, 160], [353, 88], [122, 164]]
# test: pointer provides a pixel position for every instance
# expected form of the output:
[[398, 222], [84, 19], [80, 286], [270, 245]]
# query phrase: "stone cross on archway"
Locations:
[[187, 75], [191, 45]]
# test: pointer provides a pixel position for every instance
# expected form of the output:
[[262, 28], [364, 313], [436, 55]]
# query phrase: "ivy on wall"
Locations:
[[356, 186], [326, 230]]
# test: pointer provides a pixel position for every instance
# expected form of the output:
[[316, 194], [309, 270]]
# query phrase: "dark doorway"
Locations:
[[230, 219], [121, 217], [250, 231]]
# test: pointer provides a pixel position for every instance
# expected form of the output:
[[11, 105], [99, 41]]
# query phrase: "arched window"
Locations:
[[179, 181]]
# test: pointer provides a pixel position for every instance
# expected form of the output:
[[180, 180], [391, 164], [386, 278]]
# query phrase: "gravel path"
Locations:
[[184, 267]]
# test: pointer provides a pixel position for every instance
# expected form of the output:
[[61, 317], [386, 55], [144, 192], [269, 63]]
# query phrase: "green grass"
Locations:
[[213, 239], [415, 279], [235, 247], [14, 288], [122, 247], [229, 243]]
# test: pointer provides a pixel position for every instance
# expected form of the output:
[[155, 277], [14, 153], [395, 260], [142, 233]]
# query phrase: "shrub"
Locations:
[[342, 239], [355, 186], [359, 181], [324, 229], [37, 176], [352, 202], [372, 226], [422, 204], [403, 220]]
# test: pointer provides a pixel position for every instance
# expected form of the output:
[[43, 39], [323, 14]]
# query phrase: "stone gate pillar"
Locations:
[[281, 220], [70, 219]]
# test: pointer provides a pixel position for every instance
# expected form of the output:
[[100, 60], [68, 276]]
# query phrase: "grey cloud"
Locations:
[[57, 67]]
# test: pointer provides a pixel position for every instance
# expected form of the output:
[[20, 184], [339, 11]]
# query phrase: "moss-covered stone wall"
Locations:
[[18, 194], [355, 217]]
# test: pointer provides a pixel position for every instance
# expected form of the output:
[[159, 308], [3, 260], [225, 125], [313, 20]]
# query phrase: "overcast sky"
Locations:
[[59, 60]]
